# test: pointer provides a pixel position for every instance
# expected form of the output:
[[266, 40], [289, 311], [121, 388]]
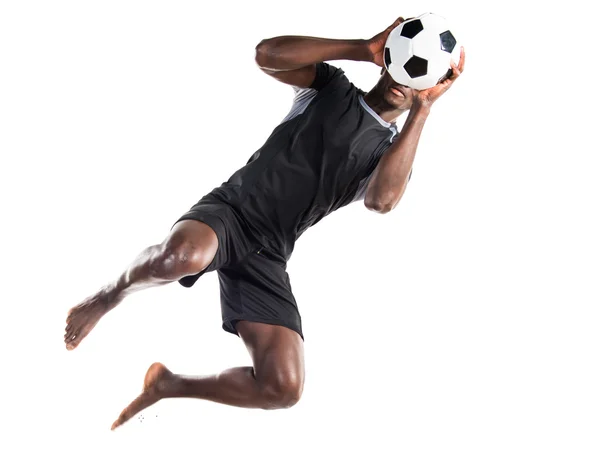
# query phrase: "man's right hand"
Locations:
[[376, 44]]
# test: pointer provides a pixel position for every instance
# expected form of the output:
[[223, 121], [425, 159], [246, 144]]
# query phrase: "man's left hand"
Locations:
[[426, 97]]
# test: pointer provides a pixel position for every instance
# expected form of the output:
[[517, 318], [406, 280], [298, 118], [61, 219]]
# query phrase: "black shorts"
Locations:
[[253, 279]]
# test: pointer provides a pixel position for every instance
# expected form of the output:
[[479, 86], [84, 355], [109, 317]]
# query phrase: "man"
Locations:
[[337, 145]]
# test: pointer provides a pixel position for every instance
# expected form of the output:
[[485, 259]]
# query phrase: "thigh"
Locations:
[[277, 352], [233, 241], [258, 290]]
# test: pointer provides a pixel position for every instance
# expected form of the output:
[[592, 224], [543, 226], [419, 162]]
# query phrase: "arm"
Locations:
[[390, 177], [292, 59], [292, 52]]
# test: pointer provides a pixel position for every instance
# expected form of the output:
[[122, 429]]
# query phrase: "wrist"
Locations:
[[362, 50], [420, 108]]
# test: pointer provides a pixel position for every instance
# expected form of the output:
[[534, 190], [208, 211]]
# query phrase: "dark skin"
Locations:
[[276, 377]]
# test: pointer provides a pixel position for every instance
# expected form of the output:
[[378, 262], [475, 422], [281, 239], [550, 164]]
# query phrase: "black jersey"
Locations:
[[317, 160]]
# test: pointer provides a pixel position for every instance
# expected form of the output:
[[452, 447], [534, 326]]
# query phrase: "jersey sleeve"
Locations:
[[326, 74]]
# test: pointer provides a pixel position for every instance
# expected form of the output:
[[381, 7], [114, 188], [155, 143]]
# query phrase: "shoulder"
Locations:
[[327, 75]]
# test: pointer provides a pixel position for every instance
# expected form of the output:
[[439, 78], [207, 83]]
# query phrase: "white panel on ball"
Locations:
[[434, 22]]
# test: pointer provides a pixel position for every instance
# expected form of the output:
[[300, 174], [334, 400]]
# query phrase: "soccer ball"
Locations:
[[418, 52]]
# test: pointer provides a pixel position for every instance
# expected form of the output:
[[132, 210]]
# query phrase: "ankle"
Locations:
[[168, 386], [110, 295]]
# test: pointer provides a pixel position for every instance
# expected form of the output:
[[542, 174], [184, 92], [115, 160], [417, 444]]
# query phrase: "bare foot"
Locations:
[[157, 379], [83, 317]]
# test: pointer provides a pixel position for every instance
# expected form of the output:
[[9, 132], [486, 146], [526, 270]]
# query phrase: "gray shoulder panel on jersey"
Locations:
[[302, 98], [389, 125]]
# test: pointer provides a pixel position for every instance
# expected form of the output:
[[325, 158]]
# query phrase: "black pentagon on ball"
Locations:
[[387, 57], [447, 41], [411, 28], [416, 66]]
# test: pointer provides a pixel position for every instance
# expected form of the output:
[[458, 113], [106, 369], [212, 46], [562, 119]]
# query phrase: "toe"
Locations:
[[140, 403], [69, 332], [72, 341]]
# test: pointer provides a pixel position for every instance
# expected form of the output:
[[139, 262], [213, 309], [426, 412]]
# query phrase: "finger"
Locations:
[[461, 63], [397, 22], [454, 71], [448, 76]]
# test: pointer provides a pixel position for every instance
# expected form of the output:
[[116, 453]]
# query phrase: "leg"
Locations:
[[276, 380], [188, 249]]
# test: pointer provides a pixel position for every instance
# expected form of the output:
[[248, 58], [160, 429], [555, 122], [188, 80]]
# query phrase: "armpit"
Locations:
[[302, 99]]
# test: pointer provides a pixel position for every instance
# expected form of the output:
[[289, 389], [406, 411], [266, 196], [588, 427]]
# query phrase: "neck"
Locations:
[[377, 103]]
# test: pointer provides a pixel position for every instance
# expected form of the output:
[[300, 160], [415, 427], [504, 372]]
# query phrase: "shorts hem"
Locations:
[[229, 324]]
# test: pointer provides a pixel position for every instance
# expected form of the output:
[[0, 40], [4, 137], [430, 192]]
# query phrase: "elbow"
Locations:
[[383, 203], [263, 52], [379, 206]]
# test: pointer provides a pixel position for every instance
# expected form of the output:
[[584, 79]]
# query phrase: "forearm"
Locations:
[[292, 52], [390, 177]]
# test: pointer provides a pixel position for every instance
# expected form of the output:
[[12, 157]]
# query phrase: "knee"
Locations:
[[177, 258], [282, 390]]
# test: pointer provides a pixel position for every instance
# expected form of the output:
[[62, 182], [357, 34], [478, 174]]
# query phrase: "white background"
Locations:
[[464, 323]]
